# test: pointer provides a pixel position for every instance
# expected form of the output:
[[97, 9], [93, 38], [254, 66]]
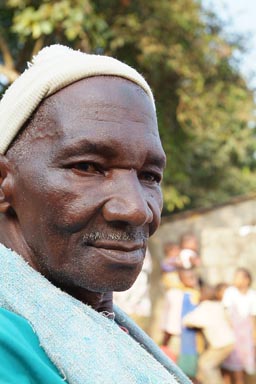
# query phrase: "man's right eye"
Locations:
[[84, 167]]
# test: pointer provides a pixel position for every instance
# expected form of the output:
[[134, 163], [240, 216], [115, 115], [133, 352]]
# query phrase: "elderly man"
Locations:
[[80, 170]]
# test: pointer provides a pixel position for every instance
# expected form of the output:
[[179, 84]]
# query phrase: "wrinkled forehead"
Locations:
[[112, 94], [95, 108], [100, 98]]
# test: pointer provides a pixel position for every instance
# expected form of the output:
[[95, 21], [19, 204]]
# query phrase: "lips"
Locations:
[[132, 258], [122, 246], [123, 253]]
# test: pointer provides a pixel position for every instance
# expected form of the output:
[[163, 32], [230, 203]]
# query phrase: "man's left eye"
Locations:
[[150, 177]]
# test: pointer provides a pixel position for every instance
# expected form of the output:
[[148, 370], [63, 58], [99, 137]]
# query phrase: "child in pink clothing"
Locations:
[[240, 301]]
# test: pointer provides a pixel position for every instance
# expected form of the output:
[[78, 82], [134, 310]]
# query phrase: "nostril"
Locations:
[[123, 210]]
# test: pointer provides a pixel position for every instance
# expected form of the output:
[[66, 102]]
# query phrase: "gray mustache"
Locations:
[[117, 236]]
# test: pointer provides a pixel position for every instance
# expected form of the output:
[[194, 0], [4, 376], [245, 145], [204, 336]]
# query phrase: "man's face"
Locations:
[[86, 194]]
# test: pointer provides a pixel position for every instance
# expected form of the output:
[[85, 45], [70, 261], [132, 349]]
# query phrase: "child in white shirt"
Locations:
[[211, 317]]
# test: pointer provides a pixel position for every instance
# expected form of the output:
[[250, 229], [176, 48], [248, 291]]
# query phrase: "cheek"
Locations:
[[157, 195], [156, 204], [54, 197]]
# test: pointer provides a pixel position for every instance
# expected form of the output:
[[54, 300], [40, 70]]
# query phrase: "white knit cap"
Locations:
[[52, 69]]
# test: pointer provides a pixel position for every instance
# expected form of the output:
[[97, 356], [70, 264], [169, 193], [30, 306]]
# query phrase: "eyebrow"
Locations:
[[85, 146]]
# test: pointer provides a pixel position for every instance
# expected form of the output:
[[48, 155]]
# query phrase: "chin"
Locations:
[[114, 286], [123, 286]]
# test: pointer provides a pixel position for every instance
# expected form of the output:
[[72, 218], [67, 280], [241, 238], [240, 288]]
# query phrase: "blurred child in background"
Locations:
[[189, 253], [240, 300], [178, 302], [169, 265], [212, 318]]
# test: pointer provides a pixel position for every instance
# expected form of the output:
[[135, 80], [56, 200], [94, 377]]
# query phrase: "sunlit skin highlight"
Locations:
[[80, 203]]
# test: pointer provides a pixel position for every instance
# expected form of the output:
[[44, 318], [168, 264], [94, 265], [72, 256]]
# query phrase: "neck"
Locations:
[[101, 302], [11, 237]]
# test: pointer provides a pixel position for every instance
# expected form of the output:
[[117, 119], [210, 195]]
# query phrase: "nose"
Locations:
[[127, 201]]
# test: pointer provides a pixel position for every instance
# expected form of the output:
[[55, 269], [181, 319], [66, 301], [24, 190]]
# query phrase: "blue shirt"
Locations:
[[22, 360]]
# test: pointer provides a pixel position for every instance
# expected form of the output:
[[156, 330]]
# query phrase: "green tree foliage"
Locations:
[[205, 108]]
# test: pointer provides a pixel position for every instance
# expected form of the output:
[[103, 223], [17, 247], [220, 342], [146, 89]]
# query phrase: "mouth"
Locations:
[[122, 253]]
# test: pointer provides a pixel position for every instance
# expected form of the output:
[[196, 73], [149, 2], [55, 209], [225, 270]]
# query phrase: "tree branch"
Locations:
[[38, 45], [11, 74], [8, 59]]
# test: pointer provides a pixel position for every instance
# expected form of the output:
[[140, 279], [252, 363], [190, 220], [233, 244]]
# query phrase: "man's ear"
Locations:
[[6, 182]]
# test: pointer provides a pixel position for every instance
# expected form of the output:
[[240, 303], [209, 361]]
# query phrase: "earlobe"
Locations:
[[5, 185]]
